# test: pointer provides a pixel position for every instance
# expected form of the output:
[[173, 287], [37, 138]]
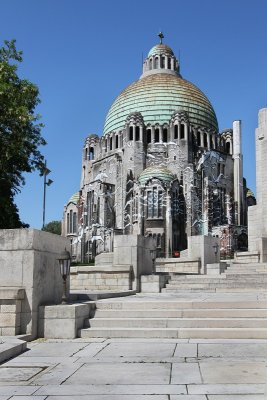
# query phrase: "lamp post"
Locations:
[[216, 248], [45, 172], [153, 254], [64, 263]]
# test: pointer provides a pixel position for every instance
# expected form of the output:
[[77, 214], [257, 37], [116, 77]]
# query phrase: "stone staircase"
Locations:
[[227, 306], [167, 317], [236, 278]]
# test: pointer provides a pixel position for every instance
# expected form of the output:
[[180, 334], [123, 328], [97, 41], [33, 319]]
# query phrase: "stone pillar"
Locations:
[[201, 138], [186, 131], [160, 134], [257, 215], [208, 140], [179, 131], [152, 134], [171, 133], [168, 241], [172, 64], [238, 172], [141, 133], [166, 62]]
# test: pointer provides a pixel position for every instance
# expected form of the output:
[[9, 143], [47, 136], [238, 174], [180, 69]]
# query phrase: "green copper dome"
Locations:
[[156, 97], [160, 49], [160, 173], [74, 198]]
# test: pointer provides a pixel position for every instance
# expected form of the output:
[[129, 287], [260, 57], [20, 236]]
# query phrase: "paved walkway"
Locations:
[[137, 369]]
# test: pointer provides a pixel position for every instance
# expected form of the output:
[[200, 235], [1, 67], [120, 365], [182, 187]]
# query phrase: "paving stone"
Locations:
[[226, 389], [183, 373], [18, 390], [111, 397], [81, 390], [186, 350], [62, 349], [91, 350], [233, 372], [17, 374], [188, 397], [240, 350], [27, 398], [137, 350], [112, 374], [236, 397], [57, 375]]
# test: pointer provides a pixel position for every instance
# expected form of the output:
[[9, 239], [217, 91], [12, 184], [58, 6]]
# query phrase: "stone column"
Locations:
[[172, 133], [208, 140], [257, 215], [166, 62], [160, 133], [141, 132], [186, 131], [168, 236], [172, 64], [152, 134], [179, 131], [238, 172], [201, 138]]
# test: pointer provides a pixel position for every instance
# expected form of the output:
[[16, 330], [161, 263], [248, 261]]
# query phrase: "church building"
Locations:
[[161, 168]]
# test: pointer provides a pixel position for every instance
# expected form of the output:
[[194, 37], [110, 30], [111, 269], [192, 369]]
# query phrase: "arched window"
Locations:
[[165, 135], [131, 133], [110, 143], [156, 135], [148, 136], [85, 153], [156, 62], [91, 153], [71, 222], [228, 147], [150, 63], [137, 133], [175, 131], [169, 63], [154, 203], [182, 131], [106, 145], [162, 62], [116, 141]]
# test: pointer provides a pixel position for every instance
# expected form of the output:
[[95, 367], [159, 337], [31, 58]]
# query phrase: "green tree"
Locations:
[[20, 133], [53, 227]]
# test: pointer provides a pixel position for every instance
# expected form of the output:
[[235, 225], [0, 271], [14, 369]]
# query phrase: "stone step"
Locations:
[[185, 313], [181, 333], [127, 304], [211, 285], [223, 281], [216, 290], [177, 323]]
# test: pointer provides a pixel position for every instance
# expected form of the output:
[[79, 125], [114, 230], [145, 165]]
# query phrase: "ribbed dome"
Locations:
[[160, 49], [74, 198], [156, 97], [160, 173]]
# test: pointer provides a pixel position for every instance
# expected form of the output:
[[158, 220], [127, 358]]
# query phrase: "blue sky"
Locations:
[[83, 53]]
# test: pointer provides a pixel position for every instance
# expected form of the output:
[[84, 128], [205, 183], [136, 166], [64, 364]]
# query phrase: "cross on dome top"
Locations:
[[161, 36]]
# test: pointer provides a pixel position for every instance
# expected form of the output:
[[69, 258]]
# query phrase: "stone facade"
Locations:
[[161, 169], [30, 277]]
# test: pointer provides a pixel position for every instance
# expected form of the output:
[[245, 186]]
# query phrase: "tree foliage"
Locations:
[[20, 133], [53, 227]]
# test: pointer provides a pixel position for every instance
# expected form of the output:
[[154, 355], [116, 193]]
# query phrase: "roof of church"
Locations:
[[74, 198], [161, 173], [250, 193], [157, 96], [160, 49]]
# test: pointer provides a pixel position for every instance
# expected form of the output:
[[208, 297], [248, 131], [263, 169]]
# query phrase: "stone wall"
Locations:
[[134, 250], [28, 260]]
